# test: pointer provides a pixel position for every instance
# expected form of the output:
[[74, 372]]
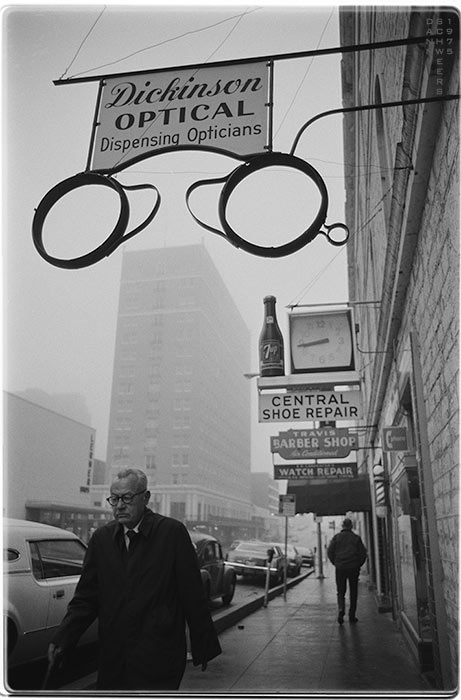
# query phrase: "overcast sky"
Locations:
[[59, 328]]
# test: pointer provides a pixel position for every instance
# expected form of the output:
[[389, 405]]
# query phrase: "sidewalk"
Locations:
[[296, 646]]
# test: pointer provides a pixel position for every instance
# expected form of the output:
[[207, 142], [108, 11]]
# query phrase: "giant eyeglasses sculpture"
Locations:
[[228, 91]]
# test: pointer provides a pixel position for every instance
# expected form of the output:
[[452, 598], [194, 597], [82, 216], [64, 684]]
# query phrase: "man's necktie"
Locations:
[[131, 534]]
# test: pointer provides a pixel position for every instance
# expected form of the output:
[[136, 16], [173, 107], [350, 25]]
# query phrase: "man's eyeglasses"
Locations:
[[127, 498]]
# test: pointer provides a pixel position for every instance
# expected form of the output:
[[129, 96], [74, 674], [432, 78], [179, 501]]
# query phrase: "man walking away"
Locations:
[[347, 553]]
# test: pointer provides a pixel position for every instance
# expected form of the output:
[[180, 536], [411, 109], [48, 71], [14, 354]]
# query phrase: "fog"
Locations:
[[59, 325]]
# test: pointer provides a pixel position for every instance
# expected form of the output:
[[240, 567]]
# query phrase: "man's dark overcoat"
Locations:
[[142, 601]]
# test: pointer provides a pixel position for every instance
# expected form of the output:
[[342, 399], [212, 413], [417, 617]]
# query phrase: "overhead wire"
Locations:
[[316, 278], [305, 75], [239, 18], [83, 41], [167, 41]]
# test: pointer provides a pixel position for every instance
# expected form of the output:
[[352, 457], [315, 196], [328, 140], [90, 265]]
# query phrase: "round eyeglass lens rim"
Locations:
[[121, 498]]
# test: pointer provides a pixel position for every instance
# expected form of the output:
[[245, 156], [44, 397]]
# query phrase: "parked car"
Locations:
[[294, 559], [218, 580], [308, 557], [234, 544], [251, 559], [41, 567]]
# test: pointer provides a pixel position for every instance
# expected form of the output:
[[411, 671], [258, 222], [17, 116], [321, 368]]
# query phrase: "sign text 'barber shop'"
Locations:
[[311, 405], [314, 443], [221, 107]]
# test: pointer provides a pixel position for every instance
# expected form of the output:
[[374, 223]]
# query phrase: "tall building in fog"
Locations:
[[180, 406]]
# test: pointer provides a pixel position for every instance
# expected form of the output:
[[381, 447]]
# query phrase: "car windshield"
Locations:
[[254, 547]]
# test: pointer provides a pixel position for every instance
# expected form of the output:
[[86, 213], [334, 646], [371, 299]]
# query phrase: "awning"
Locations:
[[333, 497]]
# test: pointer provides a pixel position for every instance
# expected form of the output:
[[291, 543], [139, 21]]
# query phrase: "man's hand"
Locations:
[[54, 653]]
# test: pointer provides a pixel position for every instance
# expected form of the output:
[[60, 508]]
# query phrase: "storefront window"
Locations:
[[414, 597]]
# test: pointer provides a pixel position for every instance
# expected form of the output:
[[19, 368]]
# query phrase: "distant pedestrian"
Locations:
[[347, 553], [141, 579]]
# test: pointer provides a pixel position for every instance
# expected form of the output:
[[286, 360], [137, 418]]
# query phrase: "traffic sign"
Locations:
[[287, 504]]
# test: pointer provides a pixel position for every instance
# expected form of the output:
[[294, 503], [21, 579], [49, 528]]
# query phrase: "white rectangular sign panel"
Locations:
[[311, 405], [213, 107], [335, 470], [287, 505]]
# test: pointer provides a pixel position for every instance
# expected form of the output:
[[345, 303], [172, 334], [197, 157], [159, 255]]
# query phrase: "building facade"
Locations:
[[402, 208], [180, 406], [48, 467], [265, 498]]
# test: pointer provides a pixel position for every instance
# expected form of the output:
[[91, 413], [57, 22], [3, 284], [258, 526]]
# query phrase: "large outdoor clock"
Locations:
[[321, 341]]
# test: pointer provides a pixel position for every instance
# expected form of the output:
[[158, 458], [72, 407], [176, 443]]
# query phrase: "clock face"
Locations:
[[321, 342]]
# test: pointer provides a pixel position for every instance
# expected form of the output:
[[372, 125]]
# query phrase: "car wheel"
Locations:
[[226, 599]]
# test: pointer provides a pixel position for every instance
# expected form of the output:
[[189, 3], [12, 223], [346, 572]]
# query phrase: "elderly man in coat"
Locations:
[[141, 579]]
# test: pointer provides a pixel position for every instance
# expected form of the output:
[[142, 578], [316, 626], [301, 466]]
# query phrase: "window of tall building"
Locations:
[[151, 424], [132, 300], [155, 352], [126, 388], [150, 445], [123, 423], [178, 510], [127, 370], [181, 420], [183, 348], [180, 438], [128, 354], [150, 462], [187, 299], [154, 385], [154, 369], [129, 333]]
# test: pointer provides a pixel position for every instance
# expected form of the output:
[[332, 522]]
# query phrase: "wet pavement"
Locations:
[[296, 646]]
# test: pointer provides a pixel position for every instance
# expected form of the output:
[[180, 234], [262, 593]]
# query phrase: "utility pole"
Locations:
[[318, 520]]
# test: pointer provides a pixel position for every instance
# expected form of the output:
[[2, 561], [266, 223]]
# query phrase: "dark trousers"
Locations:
[[342, 577]]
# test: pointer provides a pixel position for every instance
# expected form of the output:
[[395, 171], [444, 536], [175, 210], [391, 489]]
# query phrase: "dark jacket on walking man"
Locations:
[[142, 591], [347, 553]]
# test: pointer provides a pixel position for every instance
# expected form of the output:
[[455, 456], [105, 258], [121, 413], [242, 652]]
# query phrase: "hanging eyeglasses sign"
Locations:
[[225, 108]]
